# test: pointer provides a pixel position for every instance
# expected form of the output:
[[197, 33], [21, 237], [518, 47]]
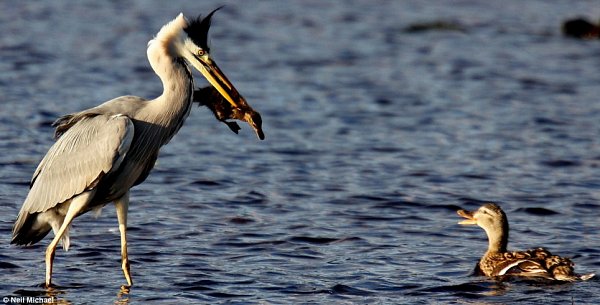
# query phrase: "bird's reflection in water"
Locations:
[[40, 295], [123, 295]]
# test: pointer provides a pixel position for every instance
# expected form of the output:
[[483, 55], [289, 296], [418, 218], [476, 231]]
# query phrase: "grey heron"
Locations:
[[102, 152]]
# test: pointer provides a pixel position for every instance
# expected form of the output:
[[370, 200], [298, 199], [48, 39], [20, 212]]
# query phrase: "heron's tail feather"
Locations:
[[31, 228], [28, 230]]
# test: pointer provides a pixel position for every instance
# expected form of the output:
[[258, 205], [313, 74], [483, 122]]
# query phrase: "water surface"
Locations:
[[376, 135]]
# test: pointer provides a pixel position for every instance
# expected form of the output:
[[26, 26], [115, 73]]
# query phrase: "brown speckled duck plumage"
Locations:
[[497, 261]]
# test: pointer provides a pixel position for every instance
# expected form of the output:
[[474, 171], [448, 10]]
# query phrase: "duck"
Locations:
[[223, 111], [498, 261]]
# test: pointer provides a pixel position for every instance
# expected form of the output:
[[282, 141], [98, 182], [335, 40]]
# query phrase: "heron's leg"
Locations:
[[122, 204], [77, 204]]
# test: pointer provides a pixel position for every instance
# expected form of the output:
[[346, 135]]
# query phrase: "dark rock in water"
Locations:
[[561, 163], [224, 111], [538, 211], [434, 26], [581, 28]]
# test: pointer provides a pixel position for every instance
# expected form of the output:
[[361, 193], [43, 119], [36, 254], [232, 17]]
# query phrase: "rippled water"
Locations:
[[376, 134]]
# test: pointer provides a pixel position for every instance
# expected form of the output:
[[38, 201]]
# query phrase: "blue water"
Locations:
[[376, 135]]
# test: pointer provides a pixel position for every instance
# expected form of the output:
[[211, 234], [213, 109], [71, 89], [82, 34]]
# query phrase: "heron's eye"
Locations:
[[201, 52]]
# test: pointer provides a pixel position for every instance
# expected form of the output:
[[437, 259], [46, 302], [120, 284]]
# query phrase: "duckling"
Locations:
[[223, 111], [497, 261]]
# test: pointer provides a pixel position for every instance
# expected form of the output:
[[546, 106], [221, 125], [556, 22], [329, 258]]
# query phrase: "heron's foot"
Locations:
[[126, 272], [44, 285], [48, 283], [49, 263]]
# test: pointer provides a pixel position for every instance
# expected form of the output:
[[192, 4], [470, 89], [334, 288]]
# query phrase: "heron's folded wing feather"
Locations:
[[91, 148]]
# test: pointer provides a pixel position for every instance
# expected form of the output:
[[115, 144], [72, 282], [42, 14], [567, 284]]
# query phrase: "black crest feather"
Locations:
[[197, 30]]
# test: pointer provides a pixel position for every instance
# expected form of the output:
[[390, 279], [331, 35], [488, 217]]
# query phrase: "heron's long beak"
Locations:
[[217, 78], [470, 219]]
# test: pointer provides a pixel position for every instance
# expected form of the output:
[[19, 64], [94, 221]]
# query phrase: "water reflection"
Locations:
[[41, 295], [123, 295]]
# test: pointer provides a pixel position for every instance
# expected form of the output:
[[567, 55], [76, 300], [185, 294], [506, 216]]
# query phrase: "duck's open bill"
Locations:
[[470, 220]]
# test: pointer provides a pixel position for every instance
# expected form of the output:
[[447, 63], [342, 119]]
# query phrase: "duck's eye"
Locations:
[[200, 52]]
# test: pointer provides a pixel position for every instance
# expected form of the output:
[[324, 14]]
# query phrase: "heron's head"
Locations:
[[188, 39], [196, 51]]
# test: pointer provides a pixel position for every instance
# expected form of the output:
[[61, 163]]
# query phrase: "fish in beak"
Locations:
[[222, 98], [225, 110], [217, 79]]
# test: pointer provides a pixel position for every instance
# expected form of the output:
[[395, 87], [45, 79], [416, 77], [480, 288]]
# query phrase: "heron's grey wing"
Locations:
[[89, 149]]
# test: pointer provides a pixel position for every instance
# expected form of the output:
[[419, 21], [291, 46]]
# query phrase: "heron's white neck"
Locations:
[[172, 107]]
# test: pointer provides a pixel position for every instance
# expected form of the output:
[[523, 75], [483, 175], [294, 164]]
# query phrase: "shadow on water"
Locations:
[[51, 295], [507, 289], [470, 290], [60, 294]]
